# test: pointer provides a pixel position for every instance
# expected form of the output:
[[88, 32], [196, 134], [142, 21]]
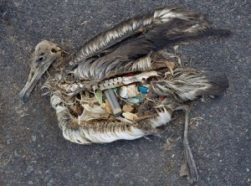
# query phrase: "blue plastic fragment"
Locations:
[[136, 99], [143, 89]]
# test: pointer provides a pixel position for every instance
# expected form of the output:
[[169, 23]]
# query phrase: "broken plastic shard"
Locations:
[[143, 89], [130, 116], [112, 99], [106, 106], [127, 108], [133, 100], [128, 91], [99, 96], [136, 99]]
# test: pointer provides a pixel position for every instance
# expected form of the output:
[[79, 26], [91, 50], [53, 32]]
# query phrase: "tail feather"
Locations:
[[219, 83]]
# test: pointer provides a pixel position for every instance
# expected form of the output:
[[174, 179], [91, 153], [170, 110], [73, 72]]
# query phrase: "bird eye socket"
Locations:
[[53, 50]]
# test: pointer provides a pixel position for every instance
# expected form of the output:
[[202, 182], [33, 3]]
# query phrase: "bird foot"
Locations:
[[193, 172]]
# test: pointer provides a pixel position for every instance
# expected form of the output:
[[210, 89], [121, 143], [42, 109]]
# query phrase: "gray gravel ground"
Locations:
[[32, 150]]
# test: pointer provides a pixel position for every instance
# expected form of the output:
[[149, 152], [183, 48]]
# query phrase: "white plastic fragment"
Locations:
[[128, 91]]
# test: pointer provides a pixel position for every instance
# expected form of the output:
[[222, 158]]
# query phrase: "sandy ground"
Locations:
[[32, 149]]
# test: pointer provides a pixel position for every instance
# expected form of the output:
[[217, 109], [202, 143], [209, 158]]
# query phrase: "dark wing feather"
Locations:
[[121, 57], [171, 26], [131, 27]]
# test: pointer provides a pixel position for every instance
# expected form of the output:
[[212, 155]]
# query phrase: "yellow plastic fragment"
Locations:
[[130, 116], [106, 106], [127, 108]]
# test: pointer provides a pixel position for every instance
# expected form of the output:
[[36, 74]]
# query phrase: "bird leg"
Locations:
[[193, 172]]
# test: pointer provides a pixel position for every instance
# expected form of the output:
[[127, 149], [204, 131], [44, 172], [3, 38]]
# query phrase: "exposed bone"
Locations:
[[120, 81]]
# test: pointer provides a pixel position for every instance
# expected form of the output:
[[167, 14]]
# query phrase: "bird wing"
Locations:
[[124, 54], [132, 27]]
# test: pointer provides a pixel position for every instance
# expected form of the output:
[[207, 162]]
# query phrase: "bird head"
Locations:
[[46, 53]]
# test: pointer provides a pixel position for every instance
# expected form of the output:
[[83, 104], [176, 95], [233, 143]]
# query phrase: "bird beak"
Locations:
[[45, 54], [35, 75]]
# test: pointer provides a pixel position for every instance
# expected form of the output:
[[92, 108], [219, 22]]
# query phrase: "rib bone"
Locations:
[[120, 81]]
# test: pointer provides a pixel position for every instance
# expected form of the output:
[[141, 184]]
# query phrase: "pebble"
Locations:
[[33, 138], [30, 182]]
